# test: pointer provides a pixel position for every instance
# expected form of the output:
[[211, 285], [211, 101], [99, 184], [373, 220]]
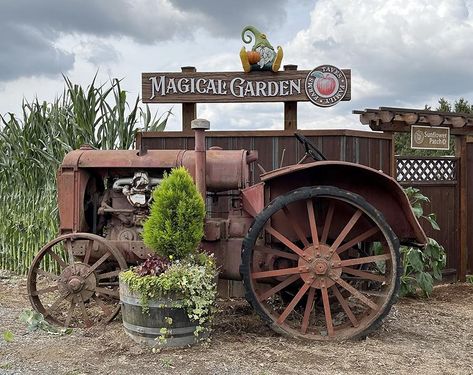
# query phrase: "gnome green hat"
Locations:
[[262, 55]]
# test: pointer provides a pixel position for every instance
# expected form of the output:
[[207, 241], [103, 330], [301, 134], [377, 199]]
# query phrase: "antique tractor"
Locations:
[[316, 244]]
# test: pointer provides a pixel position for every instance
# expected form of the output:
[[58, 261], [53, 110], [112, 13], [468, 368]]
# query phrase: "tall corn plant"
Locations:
[[32, 147]]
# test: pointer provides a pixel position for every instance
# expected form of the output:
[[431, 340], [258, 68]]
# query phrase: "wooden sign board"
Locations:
[[233, 87], [430, 137]]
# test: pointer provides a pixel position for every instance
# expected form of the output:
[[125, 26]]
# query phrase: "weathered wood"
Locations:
[[386, 116], [268, 133], [410, 118], [189, 110], [366, 118], [435, 120], [290, 108], [223, 94], [457, 122], [461, 151]]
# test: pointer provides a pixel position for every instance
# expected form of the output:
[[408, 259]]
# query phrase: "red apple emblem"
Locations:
[[326, 85]]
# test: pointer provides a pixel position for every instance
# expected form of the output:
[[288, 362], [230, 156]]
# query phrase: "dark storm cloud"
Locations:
[[30, 28], [25, 52], [227, 18]]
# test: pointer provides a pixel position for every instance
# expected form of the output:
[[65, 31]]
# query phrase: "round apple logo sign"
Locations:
[[326, 85]]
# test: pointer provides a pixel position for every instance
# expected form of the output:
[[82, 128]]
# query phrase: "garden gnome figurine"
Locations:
[[262, 56]]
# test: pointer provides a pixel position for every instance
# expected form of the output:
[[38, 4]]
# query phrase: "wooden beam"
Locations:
[[462, 223], [189, 110], [457, 122], [290, 108], [410, 118], [434, 120]]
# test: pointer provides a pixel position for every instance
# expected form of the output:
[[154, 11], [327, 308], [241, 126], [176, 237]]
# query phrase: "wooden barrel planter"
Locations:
[[162, 320]]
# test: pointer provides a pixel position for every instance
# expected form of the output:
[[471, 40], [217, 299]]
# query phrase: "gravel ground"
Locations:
[[432, 336]]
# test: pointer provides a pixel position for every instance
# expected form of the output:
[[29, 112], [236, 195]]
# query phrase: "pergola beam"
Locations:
[[400, 120]]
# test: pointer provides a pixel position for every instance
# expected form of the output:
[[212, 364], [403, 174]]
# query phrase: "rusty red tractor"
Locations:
[[316, 243]]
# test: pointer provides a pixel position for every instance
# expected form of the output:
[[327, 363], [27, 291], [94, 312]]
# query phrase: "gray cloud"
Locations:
[[227, 18], [26, 52], [30, 28]]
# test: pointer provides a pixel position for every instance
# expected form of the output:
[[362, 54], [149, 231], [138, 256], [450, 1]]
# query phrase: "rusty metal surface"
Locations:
[[253, 199], [379, 189]]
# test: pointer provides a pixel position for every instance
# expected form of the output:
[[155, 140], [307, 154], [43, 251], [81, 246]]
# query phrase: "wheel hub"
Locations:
[[321, 267], [75, 281]]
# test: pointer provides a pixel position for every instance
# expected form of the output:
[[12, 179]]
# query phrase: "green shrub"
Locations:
[[175, 225]]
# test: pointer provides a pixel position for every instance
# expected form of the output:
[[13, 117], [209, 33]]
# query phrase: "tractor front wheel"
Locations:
[[76, 291]]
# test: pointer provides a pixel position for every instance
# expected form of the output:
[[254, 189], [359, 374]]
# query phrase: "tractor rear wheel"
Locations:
[[73, 290], [321, 263]]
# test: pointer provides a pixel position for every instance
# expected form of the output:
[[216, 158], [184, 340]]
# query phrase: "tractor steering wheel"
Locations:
[[310, 149]]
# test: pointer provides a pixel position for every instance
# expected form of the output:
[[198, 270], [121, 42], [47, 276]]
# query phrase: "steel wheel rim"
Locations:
[[305, 286], [79, 284]]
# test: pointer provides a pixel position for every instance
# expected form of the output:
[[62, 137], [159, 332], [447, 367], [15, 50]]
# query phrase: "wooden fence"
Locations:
[[437, 178]]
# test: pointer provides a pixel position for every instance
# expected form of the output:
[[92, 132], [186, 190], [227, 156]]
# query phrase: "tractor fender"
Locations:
[[380, 190]]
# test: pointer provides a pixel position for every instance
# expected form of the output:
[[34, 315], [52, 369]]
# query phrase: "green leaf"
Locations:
[[317, 74], [415, 259], [418, 211], [426, 282], [432, 219], [8, 336]]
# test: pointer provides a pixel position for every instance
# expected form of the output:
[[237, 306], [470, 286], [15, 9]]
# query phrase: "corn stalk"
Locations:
[[32, 147]]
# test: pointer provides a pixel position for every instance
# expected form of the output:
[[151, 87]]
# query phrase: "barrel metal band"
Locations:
[[155, 303], [157, 331]]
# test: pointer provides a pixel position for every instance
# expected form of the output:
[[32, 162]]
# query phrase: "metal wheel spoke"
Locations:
[[281, 272], [327, 312], [109, 292], [102, 259], [344, 233], [69, 313], [107, 311], [108, 283], [57, 258], [328, 222], [343, 302], [45, 290], [278, 253], [285, 241], [295, 226], [364, 274], [293, 303], [313, 224], [54, 306], [358, 239], [83, 309], [363, 260], [357, 294], [48, 275], [278, 287], [107, 275], [88, 251], [308, 310], [69, 251]]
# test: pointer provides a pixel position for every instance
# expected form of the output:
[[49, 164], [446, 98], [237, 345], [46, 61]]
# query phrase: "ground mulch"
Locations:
[[420, 336]]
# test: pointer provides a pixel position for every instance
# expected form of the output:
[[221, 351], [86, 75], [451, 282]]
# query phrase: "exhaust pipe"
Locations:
[[200, 126]]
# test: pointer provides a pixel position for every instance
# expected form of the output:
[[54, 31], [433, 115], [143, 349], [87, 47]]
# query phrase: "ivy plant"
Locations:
[[421, 266], [190, 282]]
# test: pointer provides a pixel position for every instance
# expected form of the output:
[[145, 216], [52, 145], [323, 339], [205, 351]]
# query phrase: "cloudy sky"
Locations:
[[402, 53]]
